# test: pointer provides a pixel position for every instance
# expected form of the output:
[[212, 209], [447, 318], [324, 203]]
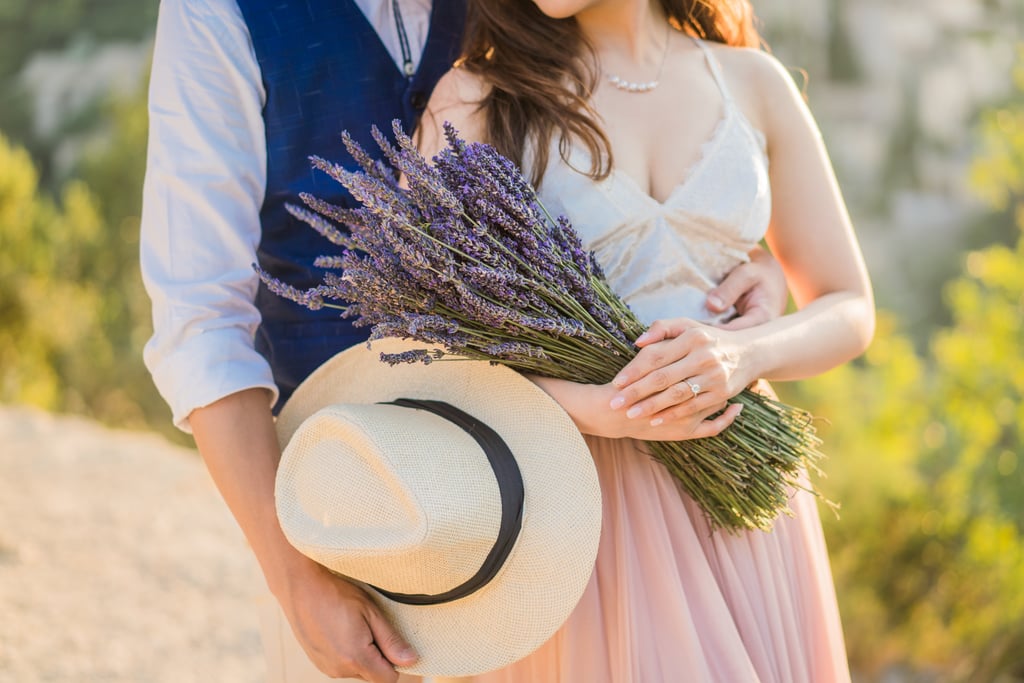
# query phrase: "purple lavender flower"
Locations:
[[371, 167], [515, 350], [375, 194], [430, 322], [329, 262], [418, 172], [468, 259], [310, 298], [320, 224], [415, 356], [333, 212]]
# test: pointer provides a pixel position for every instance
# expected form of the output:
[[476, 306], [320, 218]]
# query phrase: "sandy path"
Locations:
[[118, 560]]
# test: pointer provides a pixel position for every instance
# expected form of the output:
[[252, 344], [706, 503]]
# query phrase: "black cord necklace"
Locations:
[[403, 41]]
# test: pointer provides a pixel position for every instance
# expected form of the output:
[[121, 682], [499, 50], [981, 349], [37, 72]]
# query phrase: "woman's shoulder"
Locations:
[[459, 87], [762, 85], [750, 67], [456, 99]]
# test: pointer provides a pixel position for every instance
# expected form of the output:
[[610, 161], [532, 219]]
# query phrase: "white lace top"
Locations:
[[663, 257]]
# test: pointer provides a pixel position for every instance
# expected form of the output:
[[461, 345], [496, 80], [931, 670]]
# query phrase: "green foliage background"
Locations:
[[30, 26], [73, 314], [926, 437], [927, 449]]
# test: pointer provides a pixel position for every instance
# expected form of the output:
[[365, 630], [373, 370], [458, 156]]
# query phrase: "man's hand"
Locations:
[[337, 624], [341, 629], [757, 289]]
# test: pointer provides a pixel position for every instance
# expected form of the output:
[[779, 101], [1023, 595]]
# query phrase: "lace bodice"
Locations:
[[663, 257]]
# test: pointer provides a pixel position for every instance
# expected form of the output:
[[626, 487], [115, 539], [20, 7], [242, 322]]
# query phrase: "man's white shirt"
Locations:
[[204, 186]]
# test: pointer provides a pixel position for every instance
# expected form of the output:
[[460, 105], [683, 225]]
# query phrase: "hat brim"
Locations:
[[552, 561]]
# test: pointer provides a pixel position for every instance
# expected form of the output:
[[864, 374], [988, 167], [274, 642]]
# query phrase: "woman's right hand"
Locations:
[[589, 407], [341, 629]]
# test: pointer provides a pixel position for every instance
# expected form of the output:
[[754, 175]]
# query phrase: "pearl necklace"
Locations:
[[630, 86]]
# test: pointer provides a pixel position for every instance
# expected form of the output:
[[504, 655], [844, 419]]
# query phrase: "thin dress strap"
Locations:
[[716, 70]]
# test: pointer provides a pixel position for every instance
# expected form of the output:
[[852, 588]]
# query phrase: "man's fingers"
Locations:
[[391, 644], [726, 294], [754, 316], [367, 662], [378, 669]]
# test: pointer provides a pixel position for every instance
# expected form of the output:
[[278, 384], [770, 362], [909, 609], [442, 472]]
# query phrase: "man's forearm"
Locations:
[[236, 438]]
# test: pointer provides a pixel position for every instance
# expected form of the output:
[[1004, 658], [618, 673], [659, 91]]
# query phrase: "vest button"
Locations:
[[418, 100]]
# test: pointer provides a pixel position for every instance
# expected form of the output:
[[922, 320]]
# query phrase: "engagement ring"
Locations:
[[694, 387]]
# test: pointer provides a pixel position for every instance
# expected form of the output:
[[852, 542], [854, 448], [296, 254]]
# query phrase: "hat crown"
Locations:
[[375, 499], [534, 587]]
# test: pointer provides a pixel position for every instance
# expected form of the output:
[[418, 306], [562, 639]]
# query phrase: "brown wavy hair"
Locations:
[[540, 72]]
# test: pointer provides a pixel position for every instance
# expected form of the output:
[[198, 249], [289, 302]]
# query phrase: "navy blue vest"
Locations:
[[325, 70]]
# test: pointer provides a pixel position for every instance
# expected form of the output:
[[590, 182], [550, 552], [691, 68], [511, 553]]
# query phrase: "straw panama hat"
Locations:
[[407, 502]]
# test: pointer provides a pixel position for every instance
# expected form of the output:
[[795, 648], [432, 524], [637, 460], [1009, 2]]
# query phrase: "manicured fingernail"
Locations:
[[739, 410], [643, 337], [408, 653], [619, 381], [656, 421], [716, 302], [633, 412], [617, 402]]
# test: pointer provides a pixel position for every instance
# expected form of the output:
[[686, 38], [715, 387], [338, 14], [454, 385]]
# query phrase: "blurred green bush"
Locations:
[[928, 462], [73, 314]]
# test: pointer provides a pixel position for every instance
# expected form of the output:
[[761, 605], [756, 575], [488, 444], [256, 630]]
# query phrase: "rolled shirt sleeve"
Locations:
[[204, 185]]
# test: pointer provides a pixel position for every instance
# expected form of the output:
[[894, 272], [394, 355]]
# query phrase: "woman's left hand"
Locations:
[[683, 368]]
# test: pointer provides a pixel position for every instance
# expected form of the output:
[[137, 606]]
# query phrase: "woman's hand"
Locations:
[[684, 369], [589, 405]]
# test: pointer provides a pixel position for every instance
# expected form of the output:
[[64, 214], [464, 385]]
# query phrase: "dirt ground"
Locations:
[[118, 560]]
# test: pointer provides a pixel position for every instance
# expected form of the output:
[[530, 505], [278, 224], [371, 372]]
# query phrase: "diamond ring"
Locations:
[[694, 387]]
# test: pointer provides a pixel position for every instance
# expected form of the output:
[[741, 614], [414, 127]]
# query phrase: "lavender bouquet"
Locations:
[[468, 259]]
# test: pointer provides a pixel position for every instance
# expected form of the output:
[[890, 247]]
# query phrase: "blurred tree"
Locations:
[[44, 308], [928, 554], [843, 63], [997, 174], [73, 313], [28, 27]]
